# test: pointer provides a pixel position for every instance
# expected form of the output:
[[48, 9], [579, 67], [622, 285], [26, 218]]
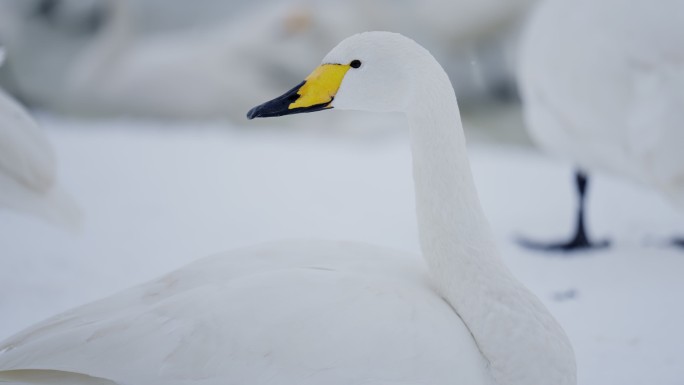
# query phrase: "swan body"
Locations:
[[329, 312], [603, 86], [27, 167], [303, 317]]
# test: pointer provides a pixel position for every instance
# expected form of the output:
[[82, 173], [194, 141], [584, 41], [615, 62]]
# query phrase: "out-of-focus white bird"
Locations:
[[27, 167], [603, 87], [213, 70], [334, 313]]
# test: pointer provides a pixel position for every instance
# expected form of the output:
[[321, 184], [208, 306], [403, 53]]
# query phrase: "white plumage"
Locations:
[[314, 312], [283, 313], [603, 85], [27, 167]]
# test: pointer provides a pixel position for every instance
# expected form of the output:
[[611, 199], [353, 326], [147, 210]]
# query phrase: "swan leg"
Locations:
[[580, 240]]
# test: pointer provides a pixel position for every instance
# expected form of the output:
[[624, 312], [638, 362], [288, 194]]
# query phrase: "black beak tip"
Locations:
[[253, 113], [276, 107]]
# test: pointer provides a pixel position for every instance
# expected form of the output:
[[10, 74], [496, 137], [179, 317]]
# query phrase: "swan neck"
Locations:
[[452, 226], [519, 339]]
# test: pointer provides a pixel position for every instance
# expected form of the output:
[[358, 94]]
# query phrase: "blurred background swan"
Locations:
[[142, 58], [603, 87], [28, 176]]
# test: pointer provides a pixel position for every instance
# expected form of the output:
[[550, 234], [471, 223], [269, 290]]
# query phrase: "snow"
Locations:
[[157, 195]]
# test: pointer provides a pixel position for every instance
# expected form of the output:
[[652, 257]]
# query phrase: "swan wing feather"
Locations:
[[298, 312]]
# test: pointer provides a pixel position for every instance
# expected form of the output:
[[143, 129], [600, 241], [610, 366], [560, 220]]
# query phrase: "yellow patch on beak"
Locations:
[[321, 86]]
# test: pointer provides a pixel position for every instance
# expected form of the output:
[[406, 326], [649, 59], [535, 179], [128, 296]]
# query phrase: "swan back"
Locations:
[[319, 313]]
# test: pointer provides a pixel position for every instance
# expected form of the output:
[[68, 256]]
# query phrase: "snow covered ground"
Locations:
[[155, 196]]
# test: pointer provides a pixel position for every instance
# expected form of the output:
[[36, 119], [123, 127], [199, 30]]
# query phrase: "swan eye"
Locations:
[[355, 63]]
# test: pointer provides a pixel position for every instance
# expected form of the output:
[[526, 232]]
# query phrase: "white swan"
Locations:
[[603, 86], [27, 167], [328, 312]]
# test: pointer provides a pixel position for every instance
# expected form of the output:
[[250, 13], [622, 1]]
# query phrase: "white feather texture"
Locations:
[[314, 312], [603, 85]]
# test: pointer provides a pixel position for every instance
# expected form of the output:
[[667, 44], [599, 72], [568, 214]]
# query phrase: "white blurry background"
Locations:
[[144, 103]]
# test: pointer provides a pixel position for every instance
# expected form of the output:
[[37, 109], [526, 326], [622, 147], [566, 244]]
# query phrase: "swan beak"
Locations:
[[316, 93]]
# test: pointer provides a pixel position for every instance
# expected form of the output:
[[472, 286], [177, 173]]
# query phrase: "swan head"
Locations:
[[369, 71]]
